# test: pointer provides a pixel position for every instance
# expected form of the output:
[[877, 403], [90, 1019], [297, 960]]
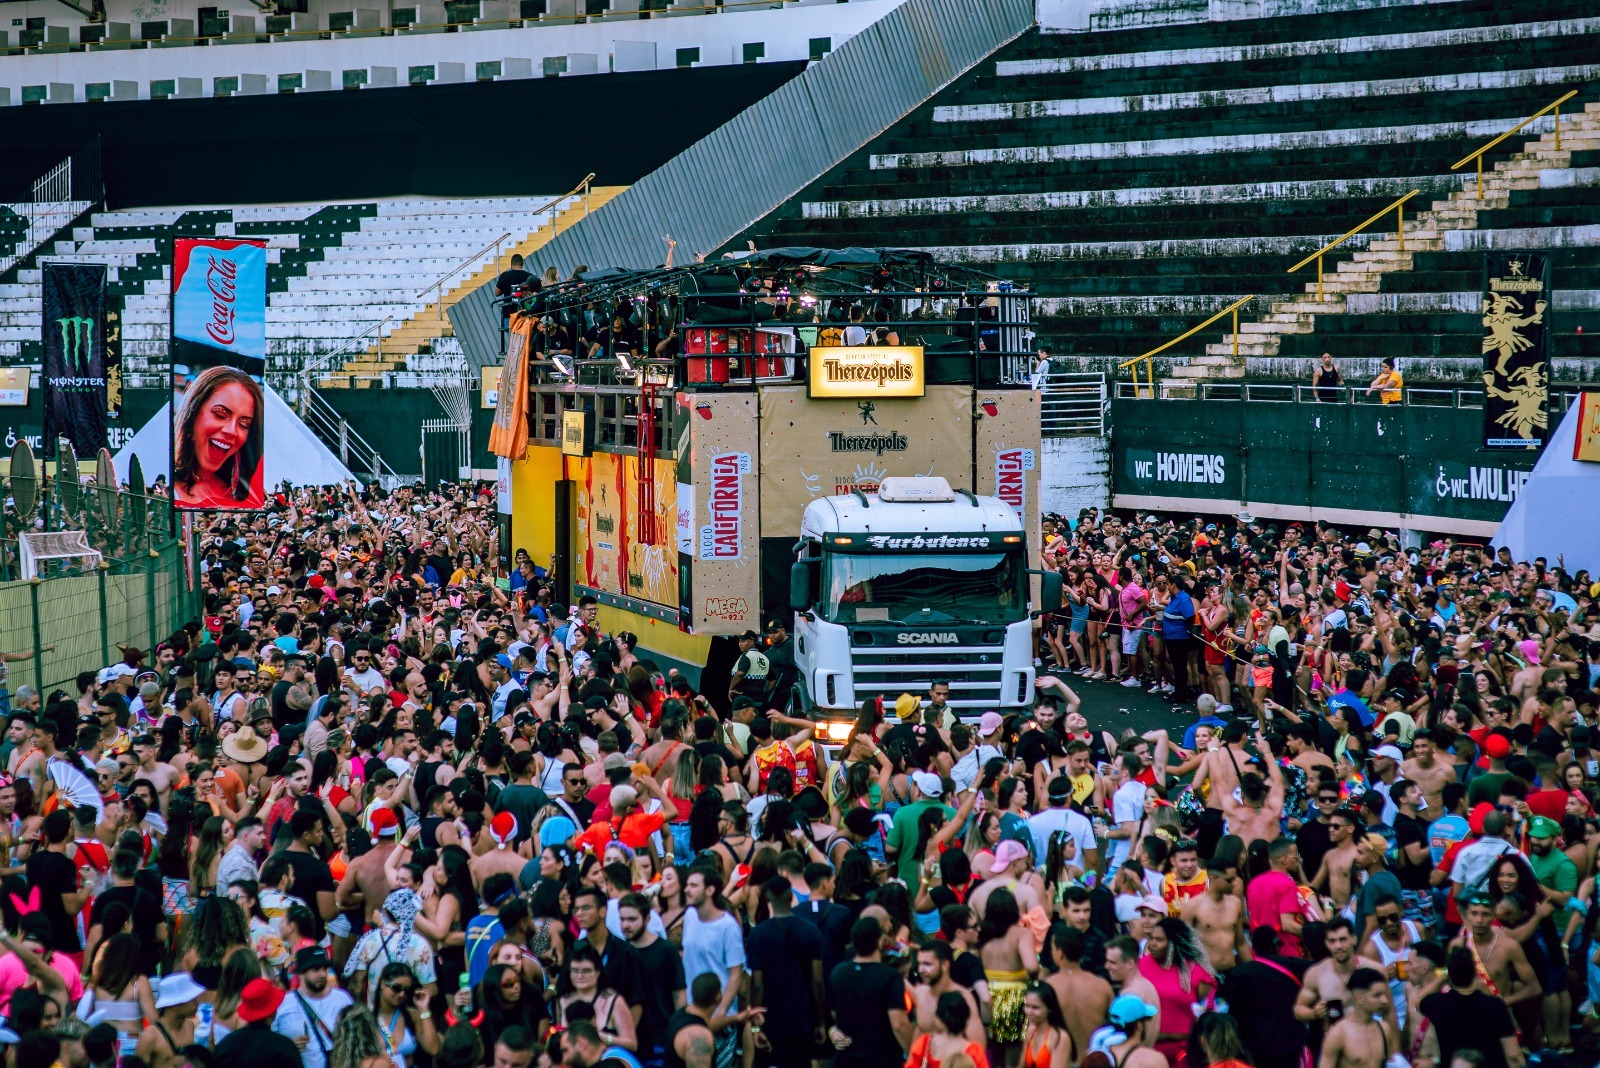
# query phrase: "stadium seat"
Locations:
[[1141, 180]]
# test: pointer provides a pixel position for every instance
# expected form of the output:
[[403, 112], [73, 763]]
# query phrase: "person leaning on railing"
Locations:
[[1389, 383]]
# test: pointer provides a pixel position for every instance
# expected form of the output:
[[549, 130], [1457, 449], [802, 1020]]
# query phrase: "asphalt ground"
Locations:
[[1109, 706]]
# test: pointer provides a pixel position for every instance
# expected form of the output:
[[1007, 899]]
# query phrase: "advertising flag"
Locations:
[[73, 371], [1516, 382], [219, 349]]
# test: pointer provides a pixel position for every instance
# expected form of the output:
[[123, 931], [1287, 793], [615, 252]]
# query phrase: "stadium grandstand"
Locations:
[[371, 153], [1209, 193]]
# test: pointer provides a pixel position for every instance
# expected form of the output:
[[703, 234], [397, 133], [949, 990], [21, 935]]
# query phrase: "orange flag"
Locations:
[[509, 435]]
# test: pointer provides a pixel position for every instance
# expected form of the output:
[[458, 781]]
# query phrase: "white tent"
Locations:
[[294, 453], [1557, 511]]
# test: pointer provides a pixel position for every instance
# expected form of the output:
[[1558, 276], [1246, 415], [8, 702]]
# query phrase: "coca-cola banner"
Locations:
[[73, 371], [219, 349]]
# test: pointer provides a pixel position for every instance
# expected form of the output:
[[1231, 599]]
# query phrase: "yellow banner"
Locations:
[[1586, 446], [866, 370]]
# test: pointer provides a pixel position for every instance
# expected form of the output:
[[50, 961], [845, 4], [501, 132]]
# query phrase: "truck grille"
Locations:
[[891, 672]]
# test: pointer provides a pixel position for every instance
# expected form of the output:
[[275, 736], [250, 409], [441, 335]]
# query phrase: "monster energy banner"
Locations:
[[74, 365], [1516, 291]]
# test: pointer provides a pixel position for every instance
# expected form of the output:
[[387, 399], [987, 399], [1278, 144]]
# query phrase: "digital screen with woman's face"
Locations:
[[218, 357]]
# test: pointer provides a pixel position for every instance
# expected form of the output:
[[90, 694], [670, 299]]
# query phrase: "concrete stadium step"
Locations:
[[1354, 285], [1286, 141], [1319, 93]]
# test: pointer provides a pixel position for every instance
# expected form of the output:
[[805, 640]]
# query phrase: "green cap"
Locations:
[[1543, 827], [1477, 897]]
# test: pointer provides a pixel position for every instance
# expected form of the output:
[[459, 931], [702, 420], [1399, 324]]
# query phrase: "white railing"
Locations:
[[1074, 404], [1442, 396], [354, 451], [50, 207]]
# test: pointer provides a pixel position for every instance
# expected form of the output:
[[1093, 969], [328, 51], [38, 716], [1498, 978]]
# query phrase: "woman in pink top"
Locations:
[[1177, 966], [24, 960]]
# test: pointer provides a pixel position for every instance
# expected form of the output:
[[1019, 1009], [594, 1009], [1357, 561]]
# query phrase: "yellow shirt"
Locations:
[[1390, 385], [1082, 786]]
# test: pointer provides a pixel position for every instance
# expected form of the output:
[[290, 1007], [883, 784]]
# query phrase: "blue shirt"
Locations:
[[482, 933], [1177, 616], [1445, 832], [1348, 701]]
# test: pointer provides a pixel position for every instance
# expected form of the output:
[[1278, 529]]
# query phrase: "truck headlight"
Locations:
[[837, 730]]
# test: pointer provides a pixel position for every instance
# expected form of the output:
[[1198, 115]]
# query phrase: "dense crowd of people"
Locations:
[[386, 804]]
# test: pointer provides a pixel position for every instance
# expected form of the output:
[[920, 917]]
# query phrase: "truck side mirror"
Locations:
[[1050, 591], [800, 586]]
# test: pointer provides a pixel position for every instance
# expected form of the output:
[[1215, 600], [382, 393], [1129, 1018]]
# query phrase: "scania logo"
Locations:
[[937, 638]]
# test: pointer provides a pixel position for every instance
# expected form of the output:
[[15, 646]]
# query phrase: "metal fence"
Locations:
[[1074, 404], [1467, 397], [74, 622], [74, 614]]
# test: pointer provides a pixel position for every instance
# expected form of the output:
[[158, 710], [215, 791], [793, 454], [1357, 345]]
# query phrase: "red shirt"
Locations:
[[1452, 911], [1551, 804], [1270, 896]]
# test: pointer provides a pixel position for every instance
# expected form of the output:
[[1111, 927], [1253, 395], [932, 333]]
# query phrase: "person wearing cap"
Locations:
[[991, 739], [1009, 870], [1127, 1040], [256, 1044], [927, 789], [1501, 964], [1392, 709], [504, 684], [176, 998], [1556, 872], [310, 1014], [1385, 765], [780, 654], [752, 672]]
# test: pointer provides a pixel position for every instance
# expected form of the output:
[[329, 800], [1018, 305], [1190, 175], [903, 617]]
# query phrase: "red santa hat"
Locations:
[[503, 828]]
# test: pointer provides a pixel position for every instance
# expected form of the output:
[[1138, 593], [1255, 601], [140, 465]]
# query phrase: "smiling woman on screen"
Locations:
[[219, 443]]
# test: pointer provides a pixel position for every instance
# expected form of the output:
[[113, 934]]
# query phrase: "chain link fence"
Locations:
[[73, 616]]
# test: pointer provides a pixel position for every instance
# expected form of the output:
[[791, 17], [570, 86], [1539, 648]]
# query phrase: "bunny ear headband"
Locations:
[[25, 905]]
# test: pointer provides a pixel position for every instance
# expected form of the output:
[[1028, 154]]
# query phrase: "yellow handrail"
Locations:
[[1398, 207], [1478, 155], [437, 287], [1191, 332]]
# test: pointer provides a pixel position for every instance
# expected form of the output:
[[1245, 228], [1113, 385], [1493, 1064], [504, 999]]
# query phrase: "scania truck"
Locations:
[[842, 440], [913, 584]]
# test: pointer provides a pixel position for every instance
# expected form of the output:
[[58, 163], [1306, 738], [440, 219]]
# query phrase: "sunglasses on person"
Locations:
[[1386, 918], [401, 989]]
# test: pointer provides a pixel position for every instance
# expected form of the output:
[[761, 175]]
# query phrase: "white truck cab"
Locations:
[[913, 584]]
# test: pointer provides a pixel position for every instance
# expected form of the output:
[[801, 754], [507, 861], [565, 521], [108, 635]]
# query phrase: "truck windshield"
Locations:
[[896, 587]]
